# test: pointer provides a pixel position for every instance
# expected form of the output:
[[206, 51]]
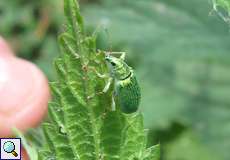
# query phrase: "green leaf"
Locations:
[[152, 153], [30, 148], [81, 124], [225, 4], [134, 137], [122, 136], [58, 140], [74, 18], [31, 28], [188, 146]]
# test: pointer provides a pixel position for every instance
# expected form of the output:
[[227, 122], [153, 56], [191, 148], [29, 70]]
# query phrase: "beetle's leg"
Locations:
[[106, 88], [122, 57], [113, 104], [103, 76], [97, 73], [107, 85], [122, 54]]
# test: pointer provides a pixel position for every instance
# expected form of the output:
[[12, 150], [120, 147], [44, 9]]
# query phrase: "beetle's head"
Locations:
[[113, 62], [117, 67]]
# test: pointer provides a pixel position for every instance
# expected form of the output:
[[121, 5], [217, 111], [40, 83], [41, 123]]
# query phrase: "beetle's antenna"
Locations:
[[97, 30], [122, 54], [109, 40]]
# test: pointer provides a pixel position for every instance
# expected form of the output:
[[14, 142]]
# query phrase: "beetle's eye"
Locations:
[[113, 64]]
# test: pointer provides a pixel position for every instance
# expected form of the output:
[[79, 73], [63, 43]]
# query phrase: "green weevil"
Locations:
[[127, 91]]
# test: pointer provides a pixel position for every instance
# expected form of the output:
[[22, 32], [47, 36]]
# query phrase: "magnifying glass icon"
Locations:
[[9, 147]]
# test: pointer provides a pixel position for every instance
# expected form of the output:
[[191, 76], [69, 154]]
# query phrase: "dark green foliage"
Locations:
[[31, 28]]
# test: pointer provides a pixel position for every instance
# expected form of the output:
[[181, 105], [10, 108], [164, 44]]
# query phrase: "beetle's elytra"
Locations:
[[128, 94]]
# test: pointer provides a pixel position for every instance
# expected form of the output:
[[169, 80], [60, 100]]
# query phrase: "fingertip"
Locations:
[[24, 95], [5, 50], [24, 155]]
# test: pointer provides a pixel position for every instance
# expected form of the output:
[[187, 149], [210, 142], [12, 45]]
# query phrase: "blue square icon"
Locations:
[[10, 148]]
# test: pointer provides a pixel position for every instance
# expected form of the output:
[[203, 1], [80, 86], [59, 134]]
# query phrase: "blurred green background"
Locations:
[[179, 49]]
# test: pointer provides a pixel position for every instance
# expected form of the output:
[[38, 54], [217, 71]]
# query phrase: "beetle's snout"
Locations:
[[107, 58]]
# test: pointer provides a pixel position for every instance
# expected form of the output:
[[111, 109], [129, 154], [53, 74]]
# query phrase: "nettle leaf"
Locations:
[[222, 4], [81, 124], [153, 153], [30, 148]]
